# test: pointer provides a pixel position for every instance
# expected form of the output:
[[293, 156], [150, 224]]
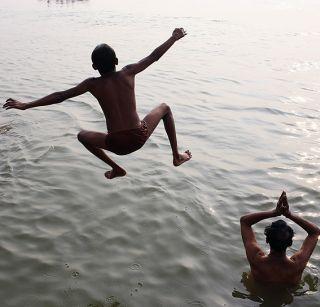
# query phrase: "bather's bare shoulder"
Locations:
[[89, 82]]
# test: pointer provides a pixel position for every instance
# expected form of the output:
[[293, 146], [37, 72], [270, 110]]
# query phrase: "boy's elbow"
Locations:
[[314, 232], [242, 219], [245, 220]]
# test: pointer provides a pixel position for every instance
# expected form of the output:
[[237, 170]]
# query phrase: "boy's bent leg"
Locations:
[[163, 112], [95, 142]]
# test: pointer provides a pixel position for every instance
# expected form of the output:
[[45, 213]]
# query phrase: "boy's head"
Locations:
[[279, 235], [104, 59]]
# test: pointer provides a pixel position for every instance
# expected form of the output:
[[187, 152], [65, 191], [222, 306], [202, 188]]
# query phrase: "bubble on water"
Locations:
[[196, 303], [75, 274], [96, 305], [135, 267], [112, 301]]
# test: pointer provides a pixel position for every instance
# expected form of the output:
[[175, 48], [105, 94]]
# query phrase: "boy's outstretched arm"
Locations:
[[133, 69], [53, 98], [249, 240]]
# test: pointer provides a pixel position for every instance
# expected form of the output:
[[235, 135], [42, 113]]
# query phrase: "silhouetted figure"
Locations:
[[115, 92], [276, 267]]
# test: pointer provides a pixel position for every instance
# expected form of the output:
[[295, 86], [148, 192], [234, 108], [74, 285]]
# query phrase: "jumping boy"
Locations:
[[114, 91], [277, 267]]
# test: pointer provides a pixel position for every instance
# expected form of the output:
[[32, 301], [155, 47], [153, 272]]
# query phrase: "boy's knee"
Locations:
[[165, 107], [82, 136]]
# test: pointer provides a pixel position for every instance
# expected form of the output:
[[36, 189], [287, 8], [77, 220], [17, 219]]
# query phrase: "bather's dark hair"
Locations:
[[104, 58], [279, 235]]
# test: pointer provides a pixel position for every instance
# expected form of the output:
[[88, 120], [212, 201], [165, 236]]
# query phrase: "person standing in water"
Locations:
[[115, 93], [277, 267]]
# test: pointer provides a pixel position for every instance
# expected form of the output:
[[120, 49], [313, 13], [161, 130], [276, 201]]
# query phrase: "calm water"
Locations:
[[244, 87]]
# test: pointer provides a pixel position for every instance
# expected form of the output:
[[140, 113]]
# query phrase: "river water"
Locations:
[[244, 89]]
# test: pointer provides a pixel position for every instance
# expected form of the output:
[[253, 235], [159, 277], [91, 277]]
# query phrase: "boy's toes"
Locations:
[[115, 173], [189, 154], [108, 175]]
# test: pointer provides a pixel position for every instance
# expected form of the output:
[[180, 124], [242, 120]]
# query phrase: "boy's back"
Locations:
[[275, 269], [116, 96]]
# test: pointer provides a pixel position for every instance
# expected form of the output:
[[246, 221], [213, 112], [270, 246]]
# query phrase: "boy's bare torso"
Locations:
[[116, 96]]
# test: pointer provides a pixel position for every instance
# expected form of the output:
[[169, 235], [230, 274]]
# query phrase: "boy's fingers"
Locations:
[[283, 194], [7, 104], [9, 101], [10, 106]]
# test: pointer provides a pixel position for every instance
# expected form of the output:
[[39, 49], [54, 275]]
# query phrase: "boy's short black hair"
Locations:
[[104, 58], [279, 235]]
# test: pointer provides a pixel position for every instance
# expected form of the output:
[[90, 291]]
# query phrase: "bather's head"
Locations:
[[104, 59], [279, 235]]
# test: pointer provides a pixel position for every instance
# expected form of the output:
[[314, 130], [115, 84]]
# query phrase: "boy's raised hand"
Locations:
[[14, 104], [285, 207], [280, 204], [178, 33]]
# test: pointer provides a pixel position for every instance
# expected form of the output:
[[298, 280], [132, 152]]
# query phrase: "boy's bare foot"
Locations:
[[115, 172], [186, 156]]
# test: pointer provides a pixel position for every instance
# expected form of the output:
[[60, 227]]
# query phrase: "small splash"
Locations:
[[5, 128], [112, 302], [305, 66], [196, 303], [135, 267], [140, 285], [95, 305], [110, 299], [275, 295], [75, 274]]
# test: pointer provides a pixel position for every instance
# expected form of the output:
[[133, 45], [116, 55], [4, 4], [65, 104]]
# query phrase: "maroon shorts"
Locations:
[[127, 141]]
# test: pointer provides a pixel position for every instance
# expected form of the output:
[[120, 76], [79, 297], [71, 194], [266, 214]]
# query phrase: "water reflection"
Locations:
[[111, 301], [275, 295], [63, 1]]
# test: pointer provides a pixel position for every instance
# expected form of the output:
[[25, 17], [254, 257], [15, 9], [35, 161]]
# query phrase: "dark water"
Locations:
[[244, 89]]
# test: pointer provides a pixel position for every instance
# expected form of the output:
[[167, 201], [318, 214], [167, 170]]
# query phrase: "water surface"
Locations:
[[244, 89]]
